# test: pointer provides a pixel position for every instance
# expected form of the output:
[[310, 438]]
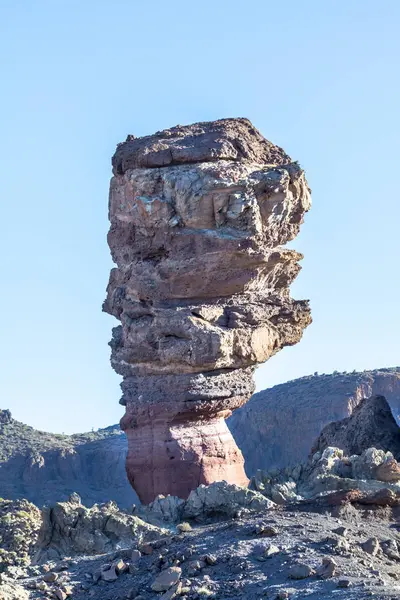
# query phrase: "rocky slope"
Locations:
[[279, 425], [200, 216], [45, 467], [235, 544]]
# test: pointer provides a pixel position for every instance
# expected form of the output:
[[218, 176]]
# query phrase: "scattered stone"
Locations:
[[327, 569], [50, 577], [271, 550], [282, 595], [184, 527], [344, 583], [173, 592], [166, 579], [262, 529], [300, 571], [372, 546], [210, 559], [135, 556], [264, 551], [343, 531], [146, 549], [109, 575], [342, 546], [120, 566], [42, 586], [390, 549], [195, 567]]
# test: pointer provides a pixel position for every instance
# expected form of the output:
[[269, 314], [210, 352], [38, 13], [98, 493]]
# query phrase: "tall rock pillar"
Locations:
[[198, 216]]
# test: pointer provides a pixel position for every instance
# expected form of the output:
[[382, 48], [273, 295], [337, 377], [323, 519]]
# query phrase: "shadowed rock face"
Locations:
[[302, 408], [371, 424], [198, 216]]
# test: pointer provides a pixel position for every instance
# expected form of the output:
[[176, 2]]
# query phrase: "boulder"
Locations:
[[70, 529], [221, 498], [166, 579]]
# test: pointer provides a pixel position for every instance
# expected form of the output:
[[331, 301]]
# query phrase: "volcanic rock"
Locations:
[[335, 479], [302, 408], [20, 522], [70, 529], [45, 468], [370, 424], [217, 499], [199, 215], [166, 579]]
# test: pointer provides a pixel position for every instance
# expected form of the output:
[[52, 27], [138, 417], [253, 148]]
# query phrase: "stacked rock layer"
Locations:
[[199, 215]]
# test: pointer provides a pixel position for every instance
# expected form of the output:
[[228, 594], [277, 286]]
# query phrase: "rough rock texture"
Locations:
[[198, 217], [45, 467], [20, 522], [371, 424], [12, 591], [206, 501], [302, 408], [372, 477], [318, 553], [69, 529]]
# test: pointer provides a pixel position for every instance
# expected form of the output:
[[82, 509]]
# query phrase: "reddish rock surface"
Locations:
[[198, 216]]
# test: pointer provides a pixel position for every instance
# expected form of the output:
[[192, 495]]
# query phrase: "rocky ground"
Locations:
[[292, 552], [340, 539], [325, 528]]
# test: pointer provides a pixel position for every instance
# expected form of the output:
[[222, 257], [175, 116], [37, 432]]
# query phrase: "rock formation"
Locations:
[[371, 424], [198, 217], [373, 474], [302, 408], [70, 528]]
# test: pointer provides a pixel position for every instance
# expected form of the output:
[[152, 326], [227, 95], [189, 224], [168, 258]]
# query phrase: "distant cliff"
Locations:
[[279, 425], [277, 428], [45, 467]]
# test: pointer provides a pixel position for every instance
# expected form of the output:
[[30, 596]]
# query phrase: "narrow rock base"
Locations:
[[175, 458]]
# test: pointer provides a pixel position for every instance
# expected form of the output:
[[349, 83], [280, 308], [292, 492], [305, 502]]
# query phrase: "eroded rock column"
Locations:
[[198, 217]]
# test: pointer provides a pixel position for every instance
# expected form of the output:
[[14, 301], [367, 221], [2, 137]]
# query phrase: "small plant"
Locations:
[[185, 590], [204, 592], [184, 527]]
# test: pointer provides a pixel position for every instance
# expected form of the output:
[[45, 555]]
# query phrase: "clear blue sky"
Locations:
[[319, 78]]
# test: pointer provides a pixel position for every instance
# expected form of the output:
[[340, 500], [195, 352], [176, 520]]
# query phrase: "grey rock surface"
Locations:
[[69, 529], [229, 558], [301, 409], [45, 467], [368, 475]]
